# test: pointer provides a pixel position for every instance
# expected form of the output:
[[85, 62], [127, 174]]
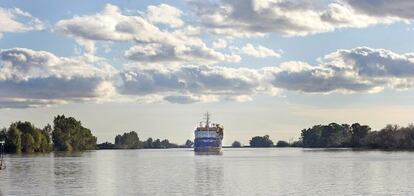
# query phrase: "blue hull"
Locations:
[[207, 145]]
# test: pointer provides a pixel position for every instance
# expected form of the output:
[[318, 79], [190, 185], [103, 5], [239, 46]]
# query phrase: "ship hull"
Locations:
[[206, 145]]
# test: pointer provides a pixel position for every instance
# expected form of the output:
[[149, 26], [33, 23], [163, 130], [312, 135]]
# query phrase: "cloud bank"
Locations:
[[358, 70], [31, 78], [37, 78]]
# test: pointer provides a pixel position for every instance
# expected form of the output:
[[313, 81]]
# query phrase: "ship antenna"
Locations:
[[207, 115]]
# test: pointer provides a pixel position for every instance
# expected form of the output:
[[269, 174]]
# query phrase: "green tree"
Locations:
[[128, 140], [28, 143], [359, 132], [106, 145], [13, 142], [69, 135], [156, 144], [166, 143], [46, 140], [258, 141], [332, 135], [25, 137], [282, 143], [236, 144], [385, 138], [311, 137], [148, 143], [335, 135]]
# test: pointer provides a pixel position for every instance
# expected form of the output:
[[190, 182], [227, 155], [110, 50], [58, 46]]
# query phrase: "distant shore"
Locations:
[[68, 134]]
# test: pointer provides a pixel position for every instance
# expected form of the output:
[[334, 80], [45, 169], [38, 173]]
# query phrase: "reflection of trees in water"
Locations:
[[27, 174], [208, 176], [73, 171]]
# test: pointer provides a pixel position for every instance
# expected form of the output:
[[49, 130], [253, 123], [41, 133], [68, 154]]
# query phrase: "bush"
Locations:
[[282, 143], [258, 141], [236, 144]]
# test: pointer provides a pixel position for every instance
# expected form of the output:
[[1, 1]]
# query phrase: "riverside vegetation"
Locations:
[[131, 140], [68, 134], [356, 135]]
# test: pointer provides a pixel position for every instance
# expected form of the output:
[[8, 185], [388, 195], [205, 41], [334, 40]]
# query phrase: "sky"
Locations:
[[260, 67]]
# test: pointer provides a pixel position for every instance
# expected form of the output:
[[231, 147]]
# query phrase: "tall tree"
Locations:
[[69, 135], [128, 140]]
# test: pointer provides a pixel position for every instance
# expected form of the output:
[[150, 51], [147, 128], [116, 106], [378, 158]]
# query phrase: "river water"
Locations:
[[245, 171]]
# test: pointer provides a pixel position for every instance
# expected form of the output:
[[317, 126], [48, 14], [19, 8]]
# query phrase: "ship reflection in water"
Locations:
[[209, 176], [208, 153], [208, 138]]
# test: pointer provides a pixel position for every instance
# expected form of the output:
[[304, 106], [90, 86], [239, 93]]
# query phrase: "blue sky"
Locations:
[[261, 67]]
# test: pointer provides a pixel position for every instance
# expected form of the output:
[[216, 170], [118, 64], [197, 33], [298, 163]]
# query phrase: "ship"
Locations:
[[208, 137]]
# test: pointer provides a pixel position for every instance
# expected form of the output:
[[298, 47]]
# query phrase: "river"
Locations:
[[244, 171]]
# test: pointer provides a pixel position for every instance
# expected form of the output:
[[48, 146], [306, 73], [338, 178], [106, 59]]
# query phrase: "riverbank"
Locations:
[[68, 134]]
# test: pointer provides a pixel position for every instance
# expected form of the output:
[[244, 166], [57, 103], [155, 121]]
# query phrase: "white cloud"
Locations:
[[16, 20], [31, 78], [220, 43], [152, 44], [166, 14], [317, 79], [259, 51], [236, 18], [360, 69], [109, 25], [190, 83], [187, 53], [188, 99]]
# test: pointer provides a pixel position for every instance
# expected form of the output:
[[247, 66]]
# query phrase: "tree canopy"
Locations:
[[282, 143], [25, 137], [69, 135], [236, 144], [358, 136], [259, 141], [128, 141]]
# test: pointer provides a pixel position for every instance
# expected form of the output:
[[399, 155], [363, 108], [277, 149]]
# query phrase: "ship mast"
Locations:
[[207, 117]]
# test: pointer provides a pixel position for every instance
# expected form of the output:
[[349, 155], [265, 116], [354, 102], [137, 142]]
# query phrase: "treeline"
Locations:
[[261, 142], [130, 140], [357, 136], [336, 135], [67, 134]]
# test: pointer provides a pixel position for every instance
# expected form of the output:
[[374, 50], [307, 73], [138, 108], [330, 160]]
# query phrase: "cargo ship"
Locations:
[[208, 137]]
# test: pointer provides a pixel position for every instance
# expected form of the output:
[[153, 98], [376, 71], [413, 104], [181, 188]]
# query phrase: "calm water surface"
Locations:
[[236, 172]]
